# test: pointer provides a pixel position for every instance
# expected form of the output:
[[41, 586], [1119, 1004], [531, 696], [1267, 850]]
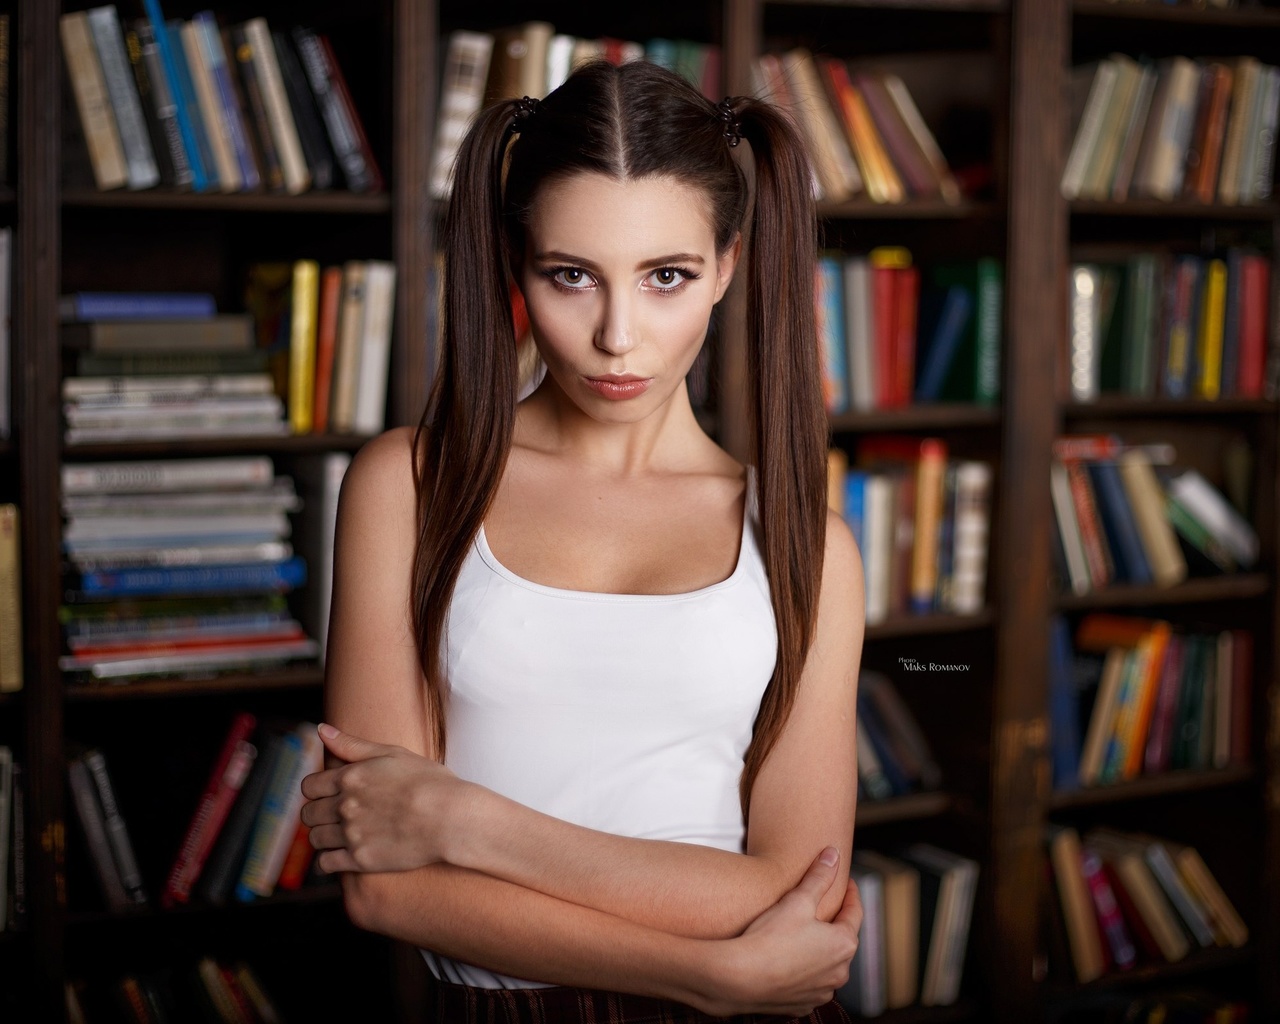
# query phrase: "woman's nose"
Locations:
[[617, 331]]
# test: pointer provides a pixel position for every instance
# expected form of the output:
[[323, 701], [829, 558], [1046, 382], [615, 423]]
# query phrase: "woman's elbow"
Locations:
[[362, 896]]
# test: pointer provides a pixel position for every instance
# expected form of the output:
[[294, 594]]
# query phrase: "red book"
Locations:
[[907, 296], [1133, 918], [1256, 273], [1117, 947], [1241, 695], [326, 338], [297, 860], [1160, 739], [884, 330], [229, 773]]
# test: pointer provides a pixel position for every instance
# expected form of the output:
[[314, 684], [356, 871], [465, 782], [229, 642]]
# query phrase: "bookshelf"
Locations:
[[990, 728]]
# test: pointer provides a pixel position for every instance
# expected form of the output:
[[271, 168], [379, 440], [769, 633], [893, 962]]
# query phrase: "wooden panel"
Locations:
[[1036, 268]]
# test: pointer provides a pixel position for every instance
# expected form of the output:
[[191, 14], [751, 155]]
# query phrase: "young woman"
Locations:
[[596, 678]]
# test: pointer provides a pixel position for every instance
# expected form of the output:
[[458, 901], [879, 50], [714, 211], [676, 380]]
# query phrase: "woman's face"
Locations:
[[619, 280]]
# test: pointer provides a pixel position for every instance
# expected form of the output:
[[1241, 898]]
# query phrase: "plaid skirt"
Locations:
[[448, 1003]]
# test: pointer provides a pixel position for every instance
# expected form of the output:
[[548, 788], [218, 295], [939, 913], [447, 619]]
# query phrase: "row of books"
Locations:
[[209, 989], [1176, 325], [245, 838], [1128, 514], [865, 133], [1126, 898], [1173, 128], [310, 356], [1151, 698], [532, 59], [894, 758], [892, 333], [195, 105], [180, 567], [13, 843], [921, 520], [917, 909], [11, 672]]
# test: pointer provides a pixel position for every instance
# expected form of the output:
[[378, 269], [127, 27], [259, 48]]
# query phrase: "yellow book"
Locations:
[[837, 470], [891, 257], [302, 345], [1212, 321], [10, 601]]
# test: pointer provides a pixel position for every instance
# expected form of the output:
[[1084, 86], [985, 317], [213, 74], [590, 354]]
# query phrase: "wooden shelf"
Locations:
[[302, 444], [1196, 962], [330, 892], [10, 698], [936, 416], [903, 808], [948, 6], [926, 625], [249, 202], [961, 1010], [1242, 18], [915, 209], [1153, 785], [1175, 208], [299, 678], [1236, 586], [1130, 405]]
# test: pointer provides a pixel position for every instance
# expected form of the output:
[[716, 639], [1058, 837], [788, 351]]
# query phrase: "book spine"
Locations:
[[276, 576], [10, 601], [216, 60], [242, 54], [1123, 954], [211, 113], [297, 177], [326, 340], [375, 347], [117, 832], [101, 134], [108, 40], [173, 84], [339, 86], [143, 73], [166, 475], [315, 149], [302, 345], [190, 101], [254, 879], [342, 137], [89, 811]]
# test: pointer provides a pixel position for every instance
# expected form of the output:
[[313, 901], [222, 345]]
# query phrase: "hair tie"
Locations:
[[732, 126], [525, 107]]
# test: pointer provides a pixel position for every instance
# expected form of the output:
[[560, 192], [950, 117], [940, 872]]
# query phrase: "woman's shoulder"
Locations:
[[380, 477]]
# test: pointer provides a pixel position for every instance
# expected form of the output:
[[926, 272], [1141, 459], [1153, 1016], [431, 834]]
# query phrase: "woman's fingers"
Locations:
[[321, 812], [327, 837], [333, 861], [817, 880], [321, 784], [349, 747]]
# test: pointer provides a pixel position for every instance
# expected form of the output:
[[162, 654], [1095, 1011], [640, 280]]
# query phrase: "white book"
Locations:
[[280, 496], [857, 315], [167, 557], [163, 665], [185, 431], [951, 921], [108, 41], [96, 414], [159, 527], [105, 391], [346, 355], [375, 347], [1090, 128], [878, 527], [1068, 527], [97, 119], [970, 531], [167, 475], [297, 176], [1085, 299], [466, 70], [1218, 515], [559, 58], [865, 992], [1265, 159]]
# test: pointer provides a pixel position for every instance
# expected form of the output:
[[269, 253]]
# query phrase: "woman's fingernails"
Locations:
[[830, 856], [327, 731]]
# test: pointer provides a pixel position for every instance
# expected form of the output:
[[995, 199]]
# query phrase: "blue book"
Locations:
[[199, 170], [1064, 713], [949, 331], [275, 802], [273, 576], [136, 306], [187, 92], [1118, 523], [855, 505], [211, 46], [831, 337], [890, 763]]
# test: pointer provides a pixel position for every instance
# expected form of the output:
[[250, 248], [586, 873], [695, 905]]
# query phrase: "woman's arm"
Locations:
[[375, 689], [409, 811]]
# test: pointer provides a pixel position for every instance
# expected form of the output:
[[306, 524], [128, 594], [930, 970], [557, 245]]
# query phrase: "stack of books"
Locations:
[[892, 333], [1127, 514], [1175, 325], [921, 520], [865, 132], [532, 59], [917, 909], [179, 568], [894, 758], [1150, 698], [192, 105], [1173, 128], [1126, 898], [141, 335]]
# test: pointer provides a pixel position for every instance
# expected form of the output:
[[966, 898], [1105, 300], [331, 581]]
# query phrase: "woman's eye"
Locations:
[[670, 279], [571, 278]]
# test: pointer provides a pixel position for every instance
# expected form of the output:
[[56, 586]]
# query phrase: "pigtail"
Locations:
[[470, 412], [787, 423]]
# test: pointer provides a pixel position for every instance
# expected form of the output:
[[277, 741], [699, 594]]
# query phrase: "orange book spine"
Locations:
[[297, 860], [1211, 156], [326, 338], [1136, 744]]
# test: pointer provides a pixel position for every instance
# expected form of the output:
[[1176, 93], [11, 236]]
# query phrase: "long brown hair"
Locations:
[[628, 121]]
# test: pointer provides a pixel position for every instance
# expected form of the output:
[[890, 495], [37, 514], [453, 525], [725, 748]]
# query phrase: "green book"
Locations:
[[975, 372]]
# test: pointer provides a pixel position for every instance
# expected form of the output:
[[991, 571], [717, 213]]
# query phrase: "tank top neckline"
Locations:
[[491, 560]]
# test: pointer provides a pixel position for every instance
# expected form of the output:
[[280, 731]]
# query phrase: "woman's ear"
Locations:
[[726, 264]]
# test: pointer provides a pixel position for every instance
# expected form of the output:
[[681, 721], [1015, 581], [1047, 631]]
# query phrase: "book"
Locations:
[[369, 413], [303, 309], [93, 826], [340, 124], [11, 662], [182, 114], [901, 884], [949, 934], [864, 992], [276, 103], [306, 119], [108, 41], [116, 830], [1082, 930]]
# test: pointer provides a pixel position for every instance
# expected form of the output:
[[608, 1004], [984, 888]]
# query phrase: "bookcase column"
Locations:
[[36, 398], [1036, 257]]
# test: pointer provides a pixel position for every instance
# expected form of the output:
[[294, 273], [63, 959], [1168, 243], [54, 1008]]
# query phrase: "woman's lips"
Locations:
[[618, 388]]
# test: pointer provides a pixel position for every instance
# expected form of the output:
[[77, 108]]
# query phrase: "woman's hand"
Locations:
[[789, 960], [386, 809]]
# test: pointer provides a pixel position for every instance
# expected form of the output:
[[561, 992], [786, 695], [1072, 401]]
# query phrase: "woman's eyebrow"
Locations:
[[658, 261]]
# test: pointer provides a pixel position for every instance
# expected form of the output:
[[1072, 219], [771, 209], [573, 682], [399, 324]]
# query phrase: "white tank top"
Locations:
[[625, 713]]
